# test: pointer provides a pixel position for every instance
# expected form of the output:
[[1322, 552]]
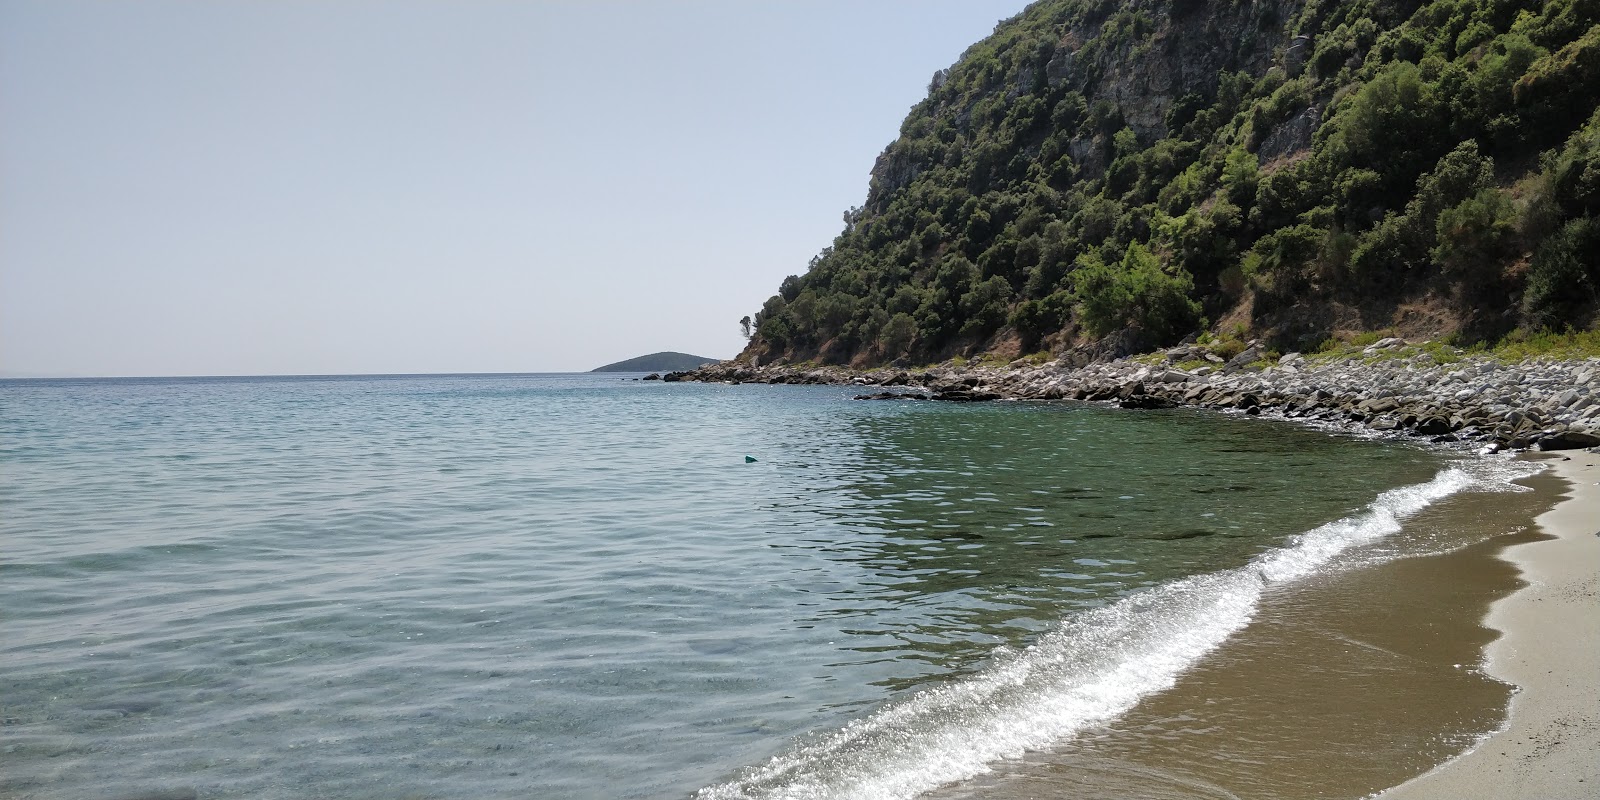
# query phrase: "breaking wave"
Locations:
[[1091, 668]]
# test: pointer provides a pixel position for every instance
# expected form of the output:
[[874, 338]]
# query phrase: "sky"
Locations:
[[389, 186]]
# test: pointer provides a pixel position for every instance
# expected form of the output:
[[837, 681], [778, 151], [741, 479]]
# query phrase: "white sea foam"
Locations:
[[1091, 668]]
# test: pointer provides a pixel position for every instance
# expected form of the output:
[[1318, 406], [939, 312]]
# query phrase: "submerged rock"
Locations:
[[1175, 536]]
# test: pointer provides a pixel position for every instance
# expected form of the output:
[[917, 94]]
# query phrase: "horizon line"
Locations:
[[11, 377]]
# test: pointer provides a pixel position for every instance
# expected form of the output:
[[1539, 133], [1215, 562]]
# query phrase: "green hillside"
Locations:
[[1133, 173], [658, 362]]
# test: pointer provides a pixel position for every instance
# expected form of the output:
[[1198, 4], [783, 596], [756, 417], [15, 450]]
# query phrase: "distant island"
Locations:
[[658, 362]]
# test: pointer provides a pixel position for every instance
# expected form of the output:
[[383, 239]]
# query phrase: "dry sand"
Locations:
[[1550, 748]]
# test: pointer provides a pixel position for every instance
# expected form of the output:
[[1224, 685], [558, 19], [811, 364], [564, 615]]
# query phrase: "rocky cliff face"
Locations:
[[1175, 50], [1138, 171]]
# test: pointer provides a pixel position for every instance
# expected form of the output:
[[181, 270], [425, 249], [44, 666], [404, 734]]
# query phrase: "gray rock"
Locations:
[[1290, 136], [1433, 426], [1569, 440], [1147, 402], [1248, 355], [1059, 68], [1378, 406]]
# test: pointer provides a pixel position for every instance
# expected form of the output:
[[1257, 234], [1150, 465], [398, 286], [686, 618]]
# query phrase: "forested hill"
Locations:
[[1135, 172]]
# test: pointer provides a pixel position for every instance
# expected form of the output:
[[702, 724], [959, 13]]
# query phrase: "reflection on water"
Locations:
[[982, 525]]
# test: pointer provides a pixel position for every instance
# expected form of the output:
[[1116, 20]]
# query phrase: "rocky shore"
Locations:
[[1391, 386]]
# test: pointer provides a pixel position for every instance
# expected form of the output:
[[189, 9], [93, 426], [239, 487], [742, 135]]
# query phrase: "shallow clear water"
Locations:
[[576, 586]]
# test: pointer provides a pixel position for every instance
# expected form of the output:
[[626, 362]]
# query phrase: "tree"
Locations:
[[744, 326], [1564, 277], [1138, 291], [897, 335]]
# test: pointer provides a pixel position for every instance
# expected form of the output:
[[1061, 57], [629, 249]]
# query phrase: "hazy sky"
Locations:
[[312, 187]]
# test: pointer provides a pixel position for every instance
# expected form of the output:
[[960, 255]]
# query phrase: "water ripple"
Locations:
[[568, 586]]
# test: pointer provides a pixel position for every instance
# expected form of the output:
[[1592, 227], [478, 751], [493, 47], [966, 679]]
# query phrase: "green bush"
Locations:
[[1137, 291], [1562, 88], [1564, 277], [1393, 124], [897, 335], [984, 308], [1575, 173], [1035, 319], [1404, 242], [1477, 237]]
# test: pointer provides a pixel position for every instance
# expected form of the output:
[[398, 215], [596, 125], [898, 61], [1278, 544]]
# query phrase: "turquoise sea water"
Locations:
[[575, 586]]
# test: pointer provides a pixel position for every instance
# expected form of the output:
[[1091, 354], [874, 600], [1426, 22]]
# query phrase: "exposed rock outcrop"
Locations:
[[1389, 387]]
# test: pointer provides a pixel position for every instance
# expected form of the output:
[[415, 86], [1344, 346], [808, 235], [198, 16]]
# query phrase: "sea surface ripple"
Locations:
[[577, 587]]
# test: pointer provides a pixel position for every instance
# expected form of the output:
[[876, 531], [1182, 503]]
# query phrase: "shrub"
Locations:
[[985, 306], [1403, 242], [1558, 89], [1393, 122], [897, 335], [1137, 291], [1575, 173], [1564, 277], [1476, 237], [1036, 319]]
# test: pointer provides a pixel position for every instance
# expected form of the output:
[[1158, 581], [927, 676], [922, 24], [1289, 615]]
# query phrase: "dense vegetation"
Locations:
[[1146, 170]]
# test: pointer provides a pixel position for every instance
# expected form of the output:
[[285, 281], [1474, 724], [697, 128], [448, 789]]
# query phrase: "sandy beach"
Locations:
[[1550, 650], [1343, 685]]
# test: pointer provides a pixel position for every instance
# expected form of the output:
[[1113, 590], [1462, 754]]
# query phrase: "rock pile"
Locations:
[[1388, 387]]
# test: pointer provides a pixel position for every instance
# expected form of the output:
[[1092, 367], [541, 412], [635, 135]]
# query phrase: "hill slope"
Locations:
[[658, 362], [1141, 171]]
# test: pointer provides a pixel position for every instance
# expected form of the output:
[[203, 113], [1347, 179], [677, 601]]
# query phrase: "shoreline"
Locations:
[[1390, 388], [1550, 633], [1547, 631], [1327, 693]]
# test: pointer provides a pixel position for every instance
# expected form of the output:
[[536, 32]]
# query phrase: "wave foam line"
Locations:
[[1093, 667]]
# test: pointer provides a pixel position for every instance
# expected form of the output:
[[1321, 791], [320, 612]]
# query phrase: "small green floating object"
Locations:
[[749, 459]]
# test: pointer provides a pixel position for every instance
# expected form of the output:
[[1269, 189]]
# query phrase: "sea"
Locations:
[[595, 586]]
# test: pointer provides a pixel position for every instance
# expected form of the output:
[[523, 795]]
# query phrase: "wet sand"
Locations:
[[1551, 650], [1343, 685]]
